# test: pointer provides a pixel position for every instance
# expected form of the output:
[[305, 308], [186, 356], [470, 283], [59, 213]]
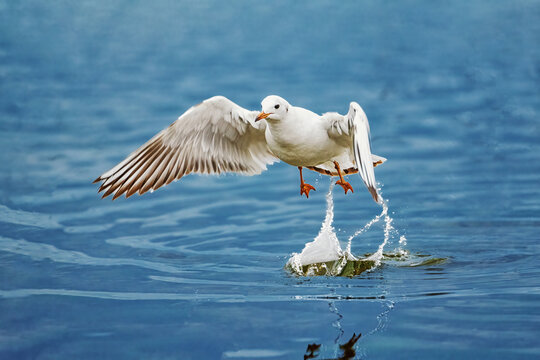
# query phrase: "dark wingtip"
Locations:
[[374, 194], [131, 192], [97, 180], [102, 187], [109, 191]]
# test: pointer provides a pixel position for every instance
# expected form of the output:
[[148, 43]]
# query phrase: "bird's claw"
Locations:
[[305, 189], [345, 185]]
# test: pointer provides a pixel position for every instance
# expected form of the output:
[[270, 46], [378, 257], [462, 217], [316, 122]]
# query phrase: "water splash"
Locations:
[[324, 255], [365, 228], [378, 255], [326, 246]]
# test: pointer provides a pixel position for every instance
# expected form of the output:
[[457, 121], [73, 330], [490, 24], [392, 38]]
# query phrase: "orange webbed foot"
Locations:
[[305, 189], [345, 185]]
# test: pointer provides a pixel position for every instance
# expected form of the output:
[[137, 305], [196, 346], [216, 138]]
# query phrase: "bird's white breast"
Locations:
[[301, 139]]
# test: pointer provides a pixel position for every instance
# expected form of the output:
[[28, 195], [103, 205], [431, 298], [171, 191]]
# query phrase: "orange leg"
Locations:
[[304, 188], [345, 185]]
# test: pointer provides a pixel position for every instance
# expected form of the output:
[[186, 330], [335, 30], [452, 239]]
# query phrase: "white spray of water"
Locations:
[[326, 247], [362, 230], [378, 255], [402, 240]]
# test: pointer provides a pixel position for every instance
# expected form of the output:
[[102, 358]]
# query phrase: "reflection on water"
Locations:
[[347, 349]]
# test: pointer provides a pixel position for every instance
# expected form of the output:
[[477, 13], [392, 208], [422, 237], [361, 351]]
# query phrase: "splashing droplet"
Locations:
[[378, 255], [324, 255], [326, 245]]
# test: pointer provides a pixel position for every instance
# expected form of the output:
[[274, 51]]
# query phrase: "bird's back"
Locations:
[[304, 114]]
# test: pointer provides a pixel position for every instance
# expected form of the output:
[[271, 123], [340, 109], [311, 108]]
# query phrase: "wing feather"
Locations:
[[359, 125], [213, 137], [352, 132]]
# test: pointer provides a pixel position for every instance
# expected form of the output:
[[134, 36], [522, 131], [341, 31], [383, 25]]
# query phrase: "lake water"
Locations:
[[196, 270]]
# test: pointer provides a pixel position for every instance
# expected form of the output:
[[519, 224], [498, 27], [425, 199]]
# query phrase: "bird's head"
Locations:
[[273, 108]]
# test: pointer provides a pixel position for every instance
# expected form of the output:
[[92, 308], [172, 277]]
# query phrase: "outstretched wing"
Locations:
[[359, 124], [213, 137]]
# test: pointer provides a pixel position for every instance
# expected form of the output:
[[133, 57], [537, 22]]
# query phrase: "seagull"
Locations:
[[218, 136]]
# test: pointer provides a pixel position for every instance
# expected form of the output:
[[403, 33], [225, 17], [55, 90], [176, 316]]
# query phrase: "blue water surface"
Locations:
[[196, 269]]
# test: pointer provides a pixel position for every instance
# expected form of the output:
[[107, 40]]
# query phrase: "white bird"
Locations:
[[218, 136]]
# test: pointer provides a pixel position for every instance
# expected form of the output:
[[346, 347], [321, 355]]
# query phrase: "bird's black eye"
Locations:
[[276, 107]]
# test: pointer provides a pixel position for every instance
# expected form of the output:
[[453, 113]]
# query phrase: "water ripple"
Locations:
[[38, 251]]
